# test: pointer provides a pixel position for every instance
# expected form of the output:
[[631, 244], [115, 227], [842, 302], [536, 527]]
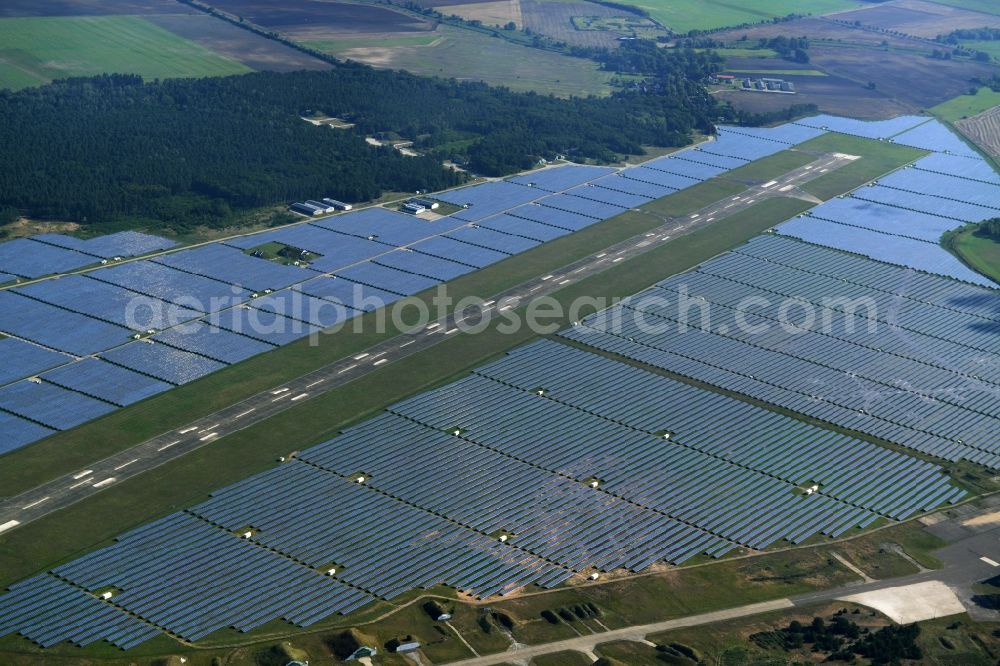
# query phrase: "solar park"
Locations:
[[71, 345], [560, 461]]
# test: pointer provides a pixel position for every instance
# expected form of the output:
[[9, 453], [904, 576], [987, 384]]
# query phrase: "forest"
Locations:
[[183, 152]]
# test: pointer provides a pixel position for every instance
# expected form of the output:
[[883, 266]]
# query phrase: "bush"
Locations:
[[550, 617]]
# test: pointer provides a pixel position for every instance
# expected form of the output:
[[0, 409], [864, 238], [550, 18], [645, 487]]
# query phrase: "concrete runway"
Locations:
[[44, 499]]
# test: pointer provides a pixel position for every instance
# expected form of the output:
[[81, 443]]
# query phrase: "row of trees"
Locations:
[[103, 148]]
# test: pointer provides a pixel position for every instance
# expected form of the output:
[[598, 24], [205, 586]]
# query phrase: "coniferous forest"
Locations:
[[184, 152]]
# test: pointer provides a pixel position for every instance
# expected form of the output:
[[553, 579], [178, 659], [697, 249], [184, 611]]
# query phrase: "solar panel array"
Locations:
[[209, 306], [558, 450], [901, 218], [869, 129], [885, 351]]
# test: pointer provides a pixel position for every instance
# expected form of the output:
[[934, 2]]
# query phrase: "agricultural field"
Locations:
[[252, 50], [37, 50], [467, 54], [868, 74], [562, 21], [177, 41], [986, 6], [12, 8], [984, 130], [966, 106], [497, 13], [920, 18], [681, 16], [312, 19], [991, 47]]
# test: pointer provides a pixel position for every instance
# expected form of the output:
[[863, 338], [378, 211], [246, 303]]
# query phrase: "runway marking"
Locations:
[[79, 483], [507, 307], [86, 472], [695, 216], [9, 525], [990, 562], [106, 482], [547, 277], [284, 395], [212, 427], [785, 188], [710, 219], [406, 343], [434, 325], [208, 436], [566, 281], [281, 390], [124, 465], [454, 330], [167, 446], [768, 184], [380, 362], [601, 255], [488, 303], [350, 367], [299, 397], [35, 503], [187, 430], [360, 356], [615, 261], [318, 381], [379, 354]]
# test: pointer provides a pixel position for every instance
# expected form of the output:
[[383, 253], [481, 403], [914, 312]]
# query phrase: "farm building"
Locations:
[[426, 203], [339, 205], [305, 209], [412, 208], [324, 208]]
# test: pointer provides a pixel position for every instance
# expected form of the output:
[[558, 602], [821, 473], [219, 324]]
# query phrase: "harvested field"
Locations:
[[831, 94], [315, 19], [986, 6], [815, 29], [11, 8], [911, 78], [983, 130], [904, 76], [497, 13], [248, 48], [919, 18], [467, 54]]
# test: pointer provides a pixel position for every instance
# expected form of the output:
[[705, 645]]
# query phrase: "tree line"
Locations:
[[194, 151]]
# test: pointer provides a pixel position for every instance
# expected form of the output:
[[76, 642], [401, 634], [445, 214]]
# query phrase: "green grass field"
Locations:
[[459, 53], [982, 254], [988, 46], [779, 72], [877, 158], [684, 15], [965, 106], [33, 51]]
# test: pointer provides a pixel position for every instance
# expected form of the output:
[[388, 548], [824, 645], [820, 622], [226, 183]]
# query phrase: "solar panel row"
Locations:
[[856, 376]]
